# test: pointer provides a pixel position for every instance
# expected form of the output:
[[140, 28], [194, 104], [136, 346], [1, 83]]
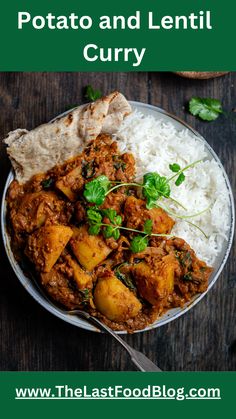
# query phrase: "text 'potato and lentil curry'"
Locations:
[[95, 239]]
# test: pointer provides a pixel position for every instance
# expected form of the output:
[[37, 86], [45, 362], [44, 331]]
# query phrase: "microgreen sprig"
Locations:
[[183, 170], [138, 243], [154, 186]]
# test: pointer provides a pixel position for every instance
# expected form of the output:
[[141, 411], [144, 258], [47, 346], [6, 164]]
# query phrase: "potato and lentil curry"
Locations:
[[95, 242]]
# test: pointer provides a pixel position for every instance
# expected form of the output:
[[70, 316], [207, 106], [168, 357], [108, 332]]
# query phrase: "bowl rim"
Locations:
[[49, 306]]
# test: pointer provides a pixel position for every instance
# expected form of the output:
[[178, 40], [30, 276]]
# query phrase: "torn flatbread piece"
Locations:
[[38, 150]]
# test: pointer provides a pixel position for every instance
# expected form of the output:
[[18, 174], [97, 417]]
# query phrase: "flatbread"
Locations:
[[36, 151]]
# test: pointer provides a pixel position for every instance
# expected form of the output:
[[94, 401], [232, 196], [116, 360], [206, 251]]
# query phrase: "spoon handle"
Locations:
[[139, 359]]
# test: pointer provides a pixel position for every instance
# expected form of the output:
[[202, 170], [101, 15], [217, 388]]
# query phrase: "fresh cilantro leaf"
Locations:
[[174, 167], [112, 215], [207, 109], [118, 220], [150, 180], [94, 216], [109, 213], [147, 228], [180, 179], [94, 219], [95, 190], [163, 186], [104, 182], [108, 231], [150, 203], [116, 234], [154, 186], [111, 231], [138, 244], [94, 230], [47, 183], [149, 189], [92, 94]]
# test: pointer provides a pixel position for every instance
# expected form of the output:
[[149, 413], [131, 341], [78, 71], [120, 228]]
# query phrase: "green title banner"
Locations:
[[104, 394], [113, 36]]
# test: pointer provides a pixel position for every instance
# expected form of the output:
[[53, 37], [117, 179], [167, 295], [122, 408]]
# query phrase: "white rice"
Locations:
[[155, 144]]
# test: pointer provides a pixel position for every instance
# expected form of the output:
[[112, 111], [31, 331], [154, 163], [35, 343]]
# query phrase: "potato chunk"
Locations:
[[89, 250], [71, 184], [83, 279], [136, 214], [114, 300], [157, 282], [46, 244]]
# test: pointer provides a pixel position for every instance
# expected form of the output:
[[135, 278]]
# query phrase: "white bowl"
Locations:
[[172, 314]]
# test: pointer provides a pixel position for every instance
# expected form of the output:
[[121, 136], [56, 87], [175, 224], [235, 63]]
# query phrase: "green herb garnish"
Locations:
[[139, 244], [180, 179], [207, 109], [148, 226], [119, 165], [174, 167], [95, 191], [95, 221], [188, 277], [155, 186], [112, 215], [92, 94], [95, 216], [85, 296], [94, 229], [88, 169], [116, 220], [104, 182], [47, 183], [186, 260], [177, 169], [96, 225], [124, 277], [110, 231]]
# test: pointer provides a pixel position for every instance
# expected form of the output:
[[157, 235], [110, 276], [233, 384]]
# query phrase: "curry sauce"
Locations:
[[49, 229]]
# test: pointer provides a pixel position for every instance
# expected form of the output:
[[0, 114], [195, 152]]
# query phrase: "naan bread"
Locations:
[[37, 151]]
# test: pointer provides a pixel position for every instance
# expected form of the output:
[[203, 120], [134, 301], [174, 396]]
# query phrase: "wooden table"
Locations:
[[31, 338]]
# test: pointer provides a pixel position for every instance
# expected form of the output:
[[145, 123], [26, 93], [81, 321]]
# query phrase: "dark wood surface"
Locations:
[[33, 339]]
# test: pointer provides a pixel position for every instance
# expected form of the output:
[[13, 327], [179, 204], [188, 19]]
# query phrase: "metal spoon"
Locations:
[[138, 358]]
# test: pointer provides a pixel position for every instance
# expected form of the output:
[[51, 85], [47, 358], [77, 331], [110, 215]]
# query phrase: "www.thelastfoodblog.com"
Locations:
[[117, 392]]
